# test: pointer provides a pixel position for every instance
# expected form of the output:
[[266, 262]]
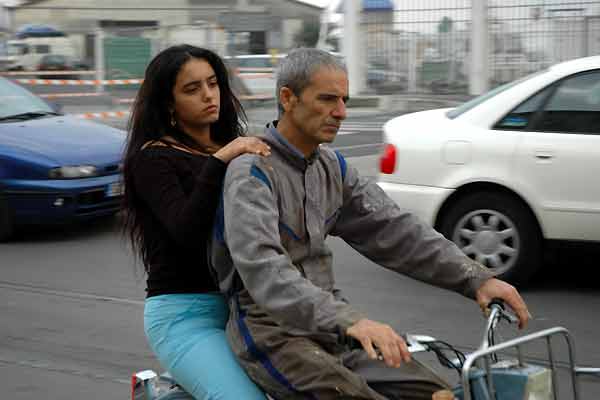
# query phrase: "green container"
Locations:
[[126, 57]]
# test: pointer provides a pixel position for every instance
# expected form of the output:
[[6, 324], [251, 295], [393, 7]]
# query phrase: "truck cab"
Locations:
[[25, 54]]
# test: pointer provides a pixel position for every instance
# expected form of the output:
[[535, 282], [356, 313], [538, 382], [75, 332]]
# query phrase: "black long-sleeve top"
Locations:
[[179, 194]]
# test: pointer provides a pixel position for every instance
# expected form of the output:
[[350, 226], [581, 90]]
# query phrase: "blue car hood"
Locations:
[[65, 140]]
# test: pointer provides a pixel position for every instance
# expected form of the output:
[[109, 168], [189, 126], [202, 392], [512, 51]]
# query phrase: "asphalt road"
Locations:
[[71, 306], [71, 303]]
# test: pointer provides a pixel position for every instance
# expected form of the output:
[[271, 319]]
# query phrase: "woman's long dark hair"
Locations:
[[151, 120]]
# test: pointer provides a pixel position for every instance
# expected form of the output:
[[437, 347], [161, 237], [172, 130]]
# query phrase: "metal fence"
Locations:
[[416, 46], [424, 45]]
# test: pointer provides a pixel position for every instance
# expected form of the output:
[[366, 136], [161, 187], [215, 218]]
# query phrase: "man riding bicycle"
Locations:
[[289, 326]]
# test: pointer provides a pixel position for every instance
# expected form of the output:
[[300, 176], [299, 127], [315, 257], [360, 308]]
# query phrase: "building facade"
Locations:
[[227, 26]]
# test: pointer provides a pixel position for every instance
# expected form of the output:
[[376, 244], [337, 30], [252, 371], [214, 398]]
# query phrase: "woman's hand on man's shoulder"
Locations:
[[242, 145]]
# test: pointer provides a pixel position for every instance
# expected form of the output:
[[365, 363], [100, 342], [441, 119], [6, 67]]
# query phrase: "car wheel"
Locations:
[[6, 224], [497, 230]]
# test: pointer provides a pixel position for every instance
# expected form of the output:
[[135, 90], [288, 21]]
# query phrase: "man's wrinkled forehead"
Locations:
[[316, 82]]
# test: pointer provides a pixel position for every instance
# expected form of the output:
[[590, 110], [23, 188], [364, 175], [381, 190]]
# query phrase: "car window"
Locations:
[[455, 112], [16, 49], [574, 107], [55, 59], [42, 48], [521, 117], [16, 100]]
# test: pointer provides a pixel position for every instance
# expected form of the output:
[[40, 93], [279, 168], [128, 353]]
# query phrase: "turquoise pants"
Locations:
[[187, 334]]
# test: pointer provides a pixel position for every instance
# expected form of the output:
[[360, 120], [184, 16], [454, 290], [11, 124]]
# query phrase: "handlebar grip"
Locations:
[[496, 302], [499, 303]]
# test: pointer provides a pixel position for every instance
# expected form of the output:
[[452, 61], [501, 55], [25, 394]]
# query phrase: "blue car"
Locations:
[[54, 168]]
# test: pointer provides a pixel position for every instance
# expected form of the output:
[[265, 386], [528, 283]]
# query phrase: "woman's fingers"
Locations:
[[257, 146], [241, 145]]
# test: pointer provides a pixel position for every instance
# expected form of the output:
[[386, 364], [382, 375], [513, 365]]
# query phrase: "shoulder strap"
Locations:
[[167, 141], [343, 165], [153, 143]]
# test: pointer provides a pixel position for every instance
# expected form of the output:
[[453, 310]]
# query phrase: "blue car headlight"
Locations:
[[73, 172]]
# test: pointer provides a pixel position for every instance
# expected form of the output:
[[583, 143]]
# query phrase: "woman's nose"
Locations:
[[207, 92]]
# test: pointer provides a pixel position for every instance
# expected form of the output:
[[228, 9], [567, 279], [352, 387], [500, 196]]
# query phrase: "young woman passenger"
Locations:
[[186, 125]]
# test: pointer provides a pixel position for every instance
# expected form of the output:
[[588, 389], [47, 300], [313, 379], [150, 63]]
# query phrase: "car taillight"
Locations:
[[387, 162]]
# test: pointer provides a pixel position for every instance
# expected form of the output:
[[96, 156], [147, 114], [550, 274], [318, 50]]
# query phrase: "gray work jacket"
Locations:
[[277, 212]]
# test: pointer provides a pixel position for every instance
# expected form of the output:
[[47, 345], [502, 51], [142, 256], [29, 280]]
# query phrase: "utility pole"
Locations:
[[99, 59], [479, 75], [352, 48]]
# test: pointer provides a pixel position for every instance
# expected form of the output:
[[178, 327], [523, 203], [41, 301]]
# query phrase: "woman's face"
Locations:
[[196, 95]]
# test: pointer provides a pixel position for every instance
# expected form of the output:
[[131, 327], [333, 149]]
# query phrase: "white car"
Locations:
[[257, 72], [506, 171]]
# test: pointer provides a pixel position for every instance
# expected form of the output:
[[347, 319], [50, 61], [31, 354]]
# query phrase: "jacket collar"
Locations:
[[289, 151]]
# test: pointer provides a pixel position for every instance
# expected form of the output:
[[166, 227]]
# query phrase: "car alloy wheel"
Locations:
[[488, 237], [496, 229]]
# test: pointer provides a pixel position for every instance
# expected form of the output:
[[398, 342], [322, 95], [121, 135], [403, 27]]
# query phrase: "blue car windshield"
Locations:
[[463, 108], [16, 100]]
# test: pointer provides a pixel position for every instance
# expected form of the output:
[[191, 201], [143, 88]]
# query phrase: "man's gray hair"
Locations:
[[295, 71]]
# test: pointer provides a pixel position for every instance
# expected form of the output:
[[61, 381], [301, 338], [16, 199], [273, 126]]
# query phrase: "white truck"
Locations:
[[25, 54]]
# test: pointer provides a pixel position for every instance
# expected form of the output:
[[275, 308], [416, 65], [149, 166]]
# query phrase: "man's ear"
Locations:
[[287, 98]]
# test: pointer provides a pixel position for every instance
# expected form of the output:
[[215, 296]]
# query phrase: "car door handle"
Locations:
[[544, 155]]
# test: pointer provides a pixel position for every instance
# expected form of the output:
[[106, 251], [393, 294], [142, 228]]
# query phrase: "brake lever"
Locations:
[[509, 317], [417, 343]]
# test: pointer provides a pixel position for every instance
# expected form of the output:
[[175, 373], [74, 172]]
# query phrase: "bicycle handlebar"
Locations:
[[497, 312], [497, 303]]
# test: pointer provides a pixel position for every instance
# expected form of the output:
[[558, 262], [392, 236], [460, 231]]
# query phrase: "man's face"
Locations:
[[317, 113]]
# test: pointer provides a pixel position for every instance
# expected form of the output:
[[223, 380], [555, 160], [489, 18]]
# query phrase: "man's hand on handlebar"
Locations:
[[374, 335], [495, 288]]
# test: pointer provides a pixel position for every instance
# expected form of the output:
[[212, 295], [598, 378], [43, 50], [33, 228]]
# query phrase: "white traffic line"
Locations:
[[66, 293]]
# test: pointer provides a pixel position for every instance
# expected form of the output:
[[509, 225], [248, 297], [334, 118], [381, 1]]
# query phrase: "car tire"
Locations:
[[6, 223], [498, 230]]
